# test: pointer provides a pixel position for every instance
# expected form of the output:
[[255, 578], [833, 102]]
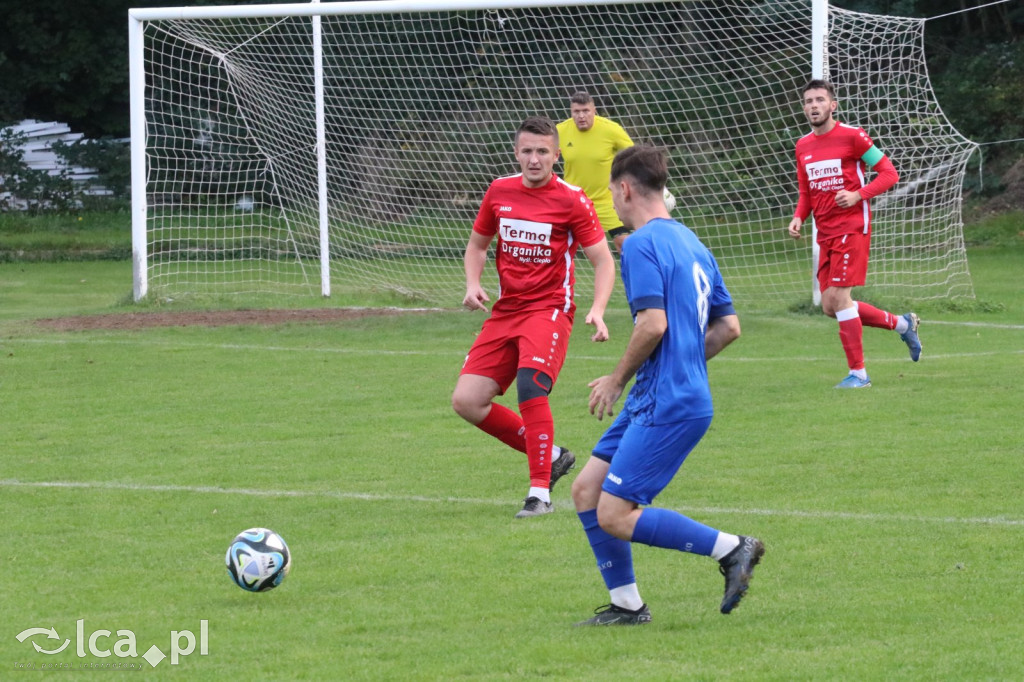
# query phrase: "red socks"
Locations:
[[851, 333], [873, 317], [540, 437], [533, 434], [851, 329], [506, 426]]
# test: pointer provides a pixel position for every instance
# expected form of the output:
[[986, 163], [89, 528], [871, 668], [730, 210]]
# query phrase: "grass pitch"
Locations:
[[130, 459]]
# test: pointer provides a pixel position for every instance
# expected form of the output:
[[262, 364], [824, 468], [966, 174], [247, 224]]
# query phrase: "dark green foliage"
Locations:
[[28, 188], [66, 65], [976, 64], [986, 95], [69, 62], [71, 65], [110, 158], [37, 190]]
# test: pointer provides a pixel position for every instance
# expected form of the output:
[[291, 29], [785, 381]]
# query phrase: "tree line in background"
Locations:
[[70, 64], [976, 63]]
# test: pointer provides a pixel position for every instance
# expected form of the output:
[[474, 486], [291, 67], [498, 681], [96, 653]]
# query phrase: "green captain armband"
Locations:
[[872, 156]]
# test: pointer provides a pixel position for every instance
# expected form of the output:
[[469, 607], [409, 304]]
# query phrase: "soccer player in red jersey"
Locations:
[[830, 166], [540, 221]]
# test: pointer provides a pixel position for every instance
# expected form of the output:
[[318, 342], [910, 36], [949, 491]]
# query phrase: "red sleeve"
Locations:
[[803, 204], [886, 177], [861, 141], [486, 220], [586, 226]]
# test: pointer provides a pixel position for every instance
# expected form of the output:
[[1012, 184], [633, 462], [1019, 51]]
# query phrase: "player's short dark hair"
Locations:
[[538, 125], [581, 97], [820, 84], [646, 165]]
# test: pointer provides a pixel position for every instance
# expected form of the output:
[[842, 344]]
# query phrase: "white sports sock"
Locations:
[[627, 596], [901, 325], [542, 493], [724, 544], [861, 374], [556, 452]]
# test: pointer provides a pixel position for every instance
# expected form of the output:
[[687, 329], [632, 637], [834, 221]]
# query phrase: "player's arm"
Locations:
[[600, 256], [473, 261], [886, 173], [886, 176], [651, 325], [621, 139], [724, 324], [720, 333], [803, 204]]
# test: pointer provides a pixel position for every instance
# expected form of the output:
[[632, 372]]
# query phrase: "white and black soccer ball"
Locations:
[[258, 560], [670, 200]]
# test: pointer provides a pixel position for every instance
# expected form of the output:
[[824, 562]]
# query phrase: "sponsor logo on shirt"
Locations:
[[824, 169], [825, 176], [526, 240], [525, 231]]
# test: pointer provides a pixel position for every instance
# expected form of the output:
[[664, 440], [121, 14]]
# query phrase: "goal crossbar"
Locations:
[[326, 9]]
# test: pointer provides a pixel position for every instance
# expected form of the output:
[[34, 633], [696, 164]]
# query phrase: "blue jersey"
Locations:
[[665, 266]]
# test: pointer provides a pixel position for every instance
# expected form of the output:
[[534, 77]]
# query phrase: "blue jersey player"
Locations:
[[683, 316]]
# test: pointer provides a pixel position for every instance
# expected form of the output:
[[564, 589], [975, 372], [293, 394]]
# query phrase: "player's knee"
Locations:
[[584, 493], [613, 522], [458, 405], [835, 299], [467, 406], [532, 383], [828, 305], [586, 487]]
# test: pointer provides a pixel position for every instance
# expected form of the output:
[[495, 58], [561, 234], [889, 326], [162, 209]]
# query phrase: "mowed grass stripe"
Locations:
[[376, 497], [155, 343]]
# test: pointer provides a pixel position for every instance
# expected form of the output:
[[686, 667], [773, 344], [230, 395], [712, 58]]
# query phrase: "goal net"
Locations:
[[349, 152]]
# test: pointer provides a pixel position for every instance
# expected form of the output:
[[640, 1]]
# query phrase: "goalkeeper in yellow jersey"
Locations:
[[589, 143]]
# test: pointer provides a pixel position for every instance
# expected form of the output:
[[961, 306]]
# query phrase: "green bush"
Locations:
[[28, 188], [40, 191], [111, 159]]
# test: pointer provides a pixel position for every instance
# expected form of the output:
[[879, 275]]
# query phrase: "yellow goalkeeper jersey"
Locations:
[[588, 158]]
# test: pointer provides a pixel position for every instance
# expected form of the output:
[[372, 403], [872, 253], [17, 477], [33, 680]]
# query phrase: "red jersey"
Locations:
[[539, 230], [826, 164]]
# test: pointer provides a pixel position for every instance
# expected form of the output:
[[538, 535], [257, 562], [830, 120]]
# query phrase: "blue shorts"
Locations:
[[644, 459]]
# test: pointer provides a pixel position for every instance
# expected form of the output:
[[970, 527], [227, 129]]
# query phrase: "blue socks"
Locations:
[[671, 530], [655, 527], [614, 556]]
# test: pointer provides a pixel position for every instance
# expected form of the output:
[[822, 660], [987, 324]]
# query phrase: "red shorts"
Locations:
[[843, 261], [538, 340]]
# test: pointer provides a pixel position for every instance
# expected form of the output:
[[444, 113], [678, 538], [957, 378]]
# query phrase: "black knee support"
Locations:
[[532, 383]]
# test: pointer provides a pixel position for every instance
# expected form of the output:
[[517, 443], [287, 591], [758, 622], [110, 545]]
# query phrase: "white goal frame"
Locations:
[[314, 10], [818, 50]]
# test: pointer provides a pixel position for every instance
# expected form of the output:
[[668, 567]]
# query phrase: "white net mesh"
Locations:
[[917, 247], [420, 110]]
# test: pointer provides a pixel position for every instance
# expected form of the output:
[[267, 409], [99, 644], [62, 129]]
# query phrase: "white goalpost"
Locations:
[[344, 147]]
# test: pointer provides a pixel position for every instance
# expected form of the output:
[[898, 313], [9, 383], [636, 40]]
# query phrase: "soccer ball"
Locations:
[[670, 200], [258, 560]]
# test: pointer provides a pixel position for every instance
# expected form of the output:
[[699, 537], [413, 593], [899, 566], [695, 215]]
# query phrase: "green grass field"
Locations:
[[893, 516]]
